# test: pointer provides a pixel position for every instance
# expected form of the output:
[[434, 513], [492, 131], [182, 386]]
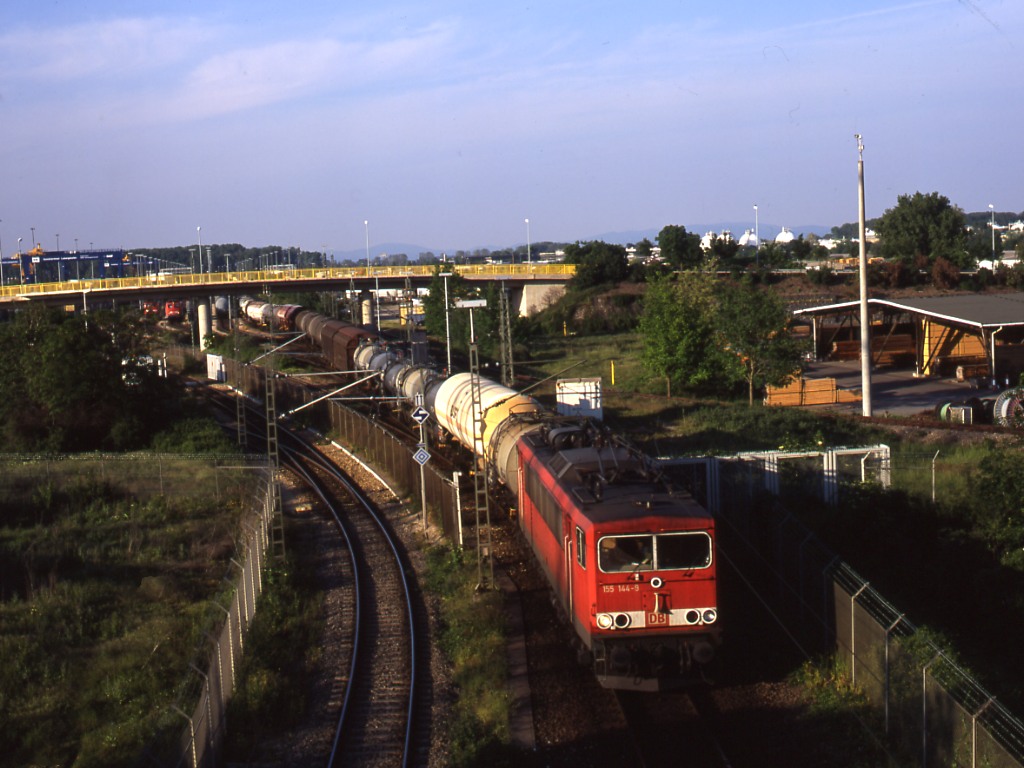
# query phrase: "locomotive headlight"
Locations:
[[656, 582], [614, 620], [692, 616], [709, 615]]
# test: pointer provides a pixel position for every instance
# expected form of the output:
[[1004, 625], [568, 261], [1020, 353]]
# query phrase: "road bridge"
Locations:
[[529, 284]]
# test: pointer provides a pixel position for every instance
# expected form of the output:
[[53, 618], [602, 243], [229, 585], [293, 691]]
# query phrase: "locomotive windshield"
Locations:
[[664, 552]]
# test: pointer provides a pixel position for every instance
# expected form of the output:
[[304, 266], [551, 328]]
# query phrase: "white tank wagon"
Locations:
[[499, 406], [450, 402]]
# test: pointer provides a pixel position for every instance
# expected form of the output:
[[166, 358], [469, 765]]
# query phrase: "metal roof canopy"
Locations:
[[977, 310]]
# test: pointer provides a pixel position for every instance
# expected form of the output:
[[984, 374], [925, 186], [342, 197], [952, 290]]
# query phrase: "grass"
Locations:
[[839, 713], [106, 596], [473, 640], [274, 676]]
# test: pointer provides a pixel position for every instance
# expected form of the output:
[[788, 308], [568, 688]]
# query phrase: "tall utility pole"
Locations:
[[508, 375], [529, 260], [865, 317], [992, 210]]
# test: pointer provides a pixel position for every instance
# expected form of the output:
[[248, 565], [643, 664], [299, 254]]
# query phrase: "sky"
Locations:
[[448, 124]]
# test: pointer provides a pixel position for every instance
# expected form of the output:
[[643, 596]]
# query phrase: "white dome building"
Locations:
[[785, 236], [749, 238], [705, 242]]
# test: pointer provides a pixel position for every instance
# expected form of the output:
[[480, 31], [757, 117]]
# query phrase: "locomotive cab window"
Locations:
[[625, 554], [684, 551], [581, 547], [664, 552]]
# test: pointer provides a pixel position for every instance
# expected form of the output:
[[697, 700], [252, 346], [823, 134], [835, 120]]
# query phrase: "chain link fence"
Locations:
[[931, 708], [364, 437], [246, 482], [213, 679]]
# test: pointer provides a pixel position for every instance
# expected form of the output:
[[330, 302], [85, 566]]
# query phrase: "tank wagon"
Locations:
[[630, 559], [280, 317]]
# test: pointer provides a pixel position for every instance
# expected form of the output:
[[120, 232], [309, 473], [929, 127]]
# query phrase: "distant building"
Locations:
[[785, 236], [705, 242], [749, 238]]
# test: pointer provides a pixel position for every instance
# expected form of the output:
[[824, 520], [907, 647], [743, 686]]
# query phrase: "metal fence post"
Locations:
[[924, 710], [853, 632], [888, 631], [192, 734]]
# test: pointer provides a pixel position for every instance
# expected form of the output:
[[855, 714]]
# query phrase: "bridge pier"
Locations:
[[533, 297], [205, 326]]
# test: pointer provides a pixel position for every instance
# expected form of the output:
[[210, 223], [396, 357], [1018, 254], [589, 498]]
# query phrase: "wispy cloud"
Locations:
[[127, 47]]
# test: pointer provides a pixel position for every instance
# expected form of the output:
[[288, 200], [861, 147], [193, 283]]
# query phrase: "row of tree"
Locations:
[[79, 384]]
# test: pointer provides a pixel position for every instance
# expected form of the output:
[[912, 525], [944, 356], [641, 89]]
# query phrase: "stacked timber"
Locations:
[[803, 391], [897, 349]]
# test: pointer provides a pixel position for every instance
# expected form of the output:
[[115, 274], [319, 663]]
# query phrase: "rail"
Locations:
[[373, 685]]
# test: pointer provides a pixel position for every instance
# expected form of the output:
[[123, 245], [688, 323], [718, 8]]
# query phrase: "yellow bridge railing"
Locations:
[[469, 271]]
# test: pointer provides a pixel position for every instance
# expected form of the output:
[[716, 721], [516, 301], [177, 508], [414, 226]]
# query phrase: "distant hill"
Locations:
[[767, 231]]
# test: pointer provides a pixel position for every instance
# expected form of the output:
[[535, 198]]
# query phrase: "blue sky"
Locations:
[[447, 124]]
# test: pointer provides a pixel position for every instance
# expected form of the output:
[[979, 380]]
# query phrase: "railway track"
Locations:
[[381, 691], [376, 725], [675, 729]]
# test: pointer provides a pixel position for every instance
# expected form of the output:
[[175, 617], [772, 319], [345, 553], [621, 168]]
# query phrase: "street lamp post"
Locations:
[[528, 259], [865, 317], [199, 236], [33, 236], [992, 209], [1, 261], [19, 261], [366, 226], [447, 324]]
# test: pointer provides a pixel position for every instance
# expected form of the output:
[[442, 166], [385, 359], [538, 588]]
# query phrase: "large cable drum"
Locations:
[[1008, 410], [453, 408]]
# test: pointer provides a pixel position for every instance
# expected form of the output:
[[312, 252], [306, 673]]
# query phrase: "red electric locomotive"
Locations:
[[174, 311], [630, 560]]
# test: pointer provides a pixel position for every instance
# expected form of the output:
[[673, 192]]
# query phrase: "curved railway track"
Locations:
[[382, 703], [376, 723]]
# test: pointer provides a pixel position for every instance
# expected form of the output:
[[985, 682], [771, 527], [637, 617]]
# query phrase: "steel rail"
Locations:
[[326, 466]]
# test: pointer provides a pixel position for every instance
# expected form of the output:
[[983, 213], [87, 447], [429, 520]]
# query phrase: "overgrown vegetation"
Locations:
[[274, 677], [839, 711], [106, 595], [473, 640]]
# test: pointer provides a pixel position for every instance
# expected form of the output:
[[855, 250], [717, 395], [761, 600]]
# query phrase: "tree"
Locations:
[[723, 249], [643, 248], [754, 326], [63, 385], [597, 263], [680, 248], [924, 225], [678, 330]]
